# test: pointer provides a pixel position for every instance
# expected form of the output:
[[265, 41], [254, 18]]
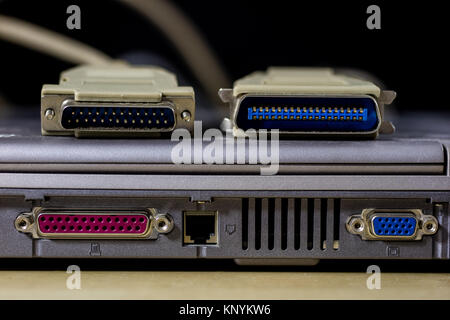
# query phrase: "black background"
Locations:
[[410, 53]]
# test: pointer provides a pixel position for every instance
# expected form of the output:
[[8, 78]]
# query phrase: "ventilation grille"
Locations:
[[290, 224]]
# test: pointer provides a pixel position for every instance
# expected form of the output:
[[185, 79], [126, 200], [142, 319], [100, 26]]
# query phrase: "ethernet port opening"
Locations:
[[200, 228]]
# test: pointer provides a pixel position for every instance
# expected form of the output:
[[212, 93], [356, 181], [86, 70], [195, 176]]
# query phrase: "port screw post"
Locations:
[[186, 116], [24, 222], [49, 114], [163, 223]]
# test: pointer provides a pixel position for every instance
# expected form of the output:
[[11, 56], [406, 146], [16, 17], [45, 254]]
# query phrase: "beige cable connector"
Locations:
[[310, 102], [116, 100]]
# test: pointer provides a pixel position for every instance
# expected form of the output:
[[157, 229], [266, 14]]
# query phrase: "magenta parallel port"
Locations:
[[93, 224]]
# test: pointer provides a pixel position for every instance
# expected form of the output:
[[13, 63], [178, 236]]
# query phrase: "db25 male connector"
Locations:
[[116, 100]]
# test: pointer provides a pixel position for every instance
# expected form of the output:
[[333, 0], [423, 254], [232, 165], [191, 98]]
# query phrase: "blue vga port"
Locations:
[[401, 226], [309, 114], [392, 224]]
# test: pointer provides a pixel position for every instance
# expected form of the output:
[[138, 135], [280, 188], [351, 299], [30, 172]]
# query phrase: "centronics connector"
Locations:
[[116, 100], [307, 102]]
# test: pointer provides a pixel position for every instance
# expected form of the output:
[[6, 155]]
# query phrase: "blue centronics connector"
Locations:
[[309, 114], [310, 102]]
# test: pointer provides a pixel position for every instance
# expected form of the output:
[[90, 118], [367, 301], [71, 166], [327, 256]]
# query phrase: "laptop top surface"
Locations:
[[414, 149]]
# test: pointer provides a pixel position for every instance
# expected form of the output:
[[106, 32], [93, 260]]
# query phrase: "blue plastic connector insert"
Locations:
[[308, 114], [394, 226]]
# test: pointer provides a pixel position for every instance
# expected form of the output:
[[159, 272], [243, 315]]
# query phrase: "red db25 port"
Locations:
[[87, 224], [131, 224]]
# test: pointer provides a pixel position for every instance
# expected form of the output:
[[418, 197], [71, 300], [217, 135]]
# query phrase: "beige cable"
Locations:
[[40, 39], [187, 39]]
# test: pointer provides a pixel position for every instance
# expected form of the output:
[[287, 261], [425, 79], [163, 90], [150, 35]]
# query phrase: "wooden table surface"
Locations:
[[28, 284]]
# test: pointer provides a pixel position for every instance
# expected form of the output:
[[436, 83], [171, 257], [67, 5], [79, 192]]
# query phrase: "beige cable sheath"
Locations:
[[43, 40], [187, 39]]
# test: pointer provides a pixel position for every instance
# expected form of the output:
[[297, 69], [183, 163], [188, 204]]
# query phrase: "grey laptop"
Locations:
[[100, 198]]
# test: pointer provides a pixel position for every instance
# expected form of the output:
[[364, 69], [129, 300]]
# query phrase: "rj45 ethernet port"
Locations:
[[200, 228]]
